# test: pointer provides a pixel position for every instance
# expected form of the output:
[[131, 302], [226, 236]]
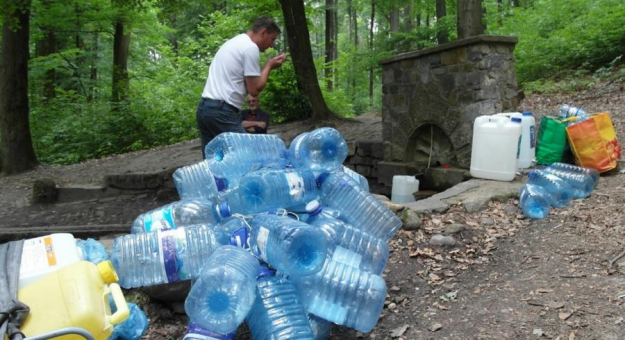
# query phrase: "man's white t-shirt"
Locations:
[[236, 59]]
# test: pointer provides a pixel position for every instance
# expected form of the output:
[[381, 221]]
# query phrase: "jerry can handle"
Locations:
[[122, 312]]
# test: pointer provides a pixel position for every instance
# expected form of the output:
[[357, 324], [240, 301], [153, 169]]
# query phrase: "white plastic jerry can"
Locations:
[[495, 147], [527, 148]]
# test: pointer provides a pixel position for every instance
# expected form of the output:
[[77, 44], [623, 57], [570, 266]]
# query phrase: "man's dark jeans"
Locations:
[[215, 117]]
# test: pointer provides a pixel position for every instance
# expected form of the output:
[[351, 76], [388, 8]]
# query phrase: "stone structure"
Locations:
[[432, 96]]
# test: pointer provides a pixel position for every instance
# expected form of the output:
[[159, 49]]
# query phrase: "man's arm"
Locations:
[[252, 123], [256, 84]]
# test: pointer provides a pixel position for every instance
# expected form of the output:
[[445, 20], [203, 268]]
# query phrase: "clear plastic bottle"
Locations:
[[594, 174], [323, 149], [360, 179], [132, 328], [567, 111], [197, 332], [164, 256], [277, 313], [180, 214], [225, 291], [344, 295], [582, 184], [272, 189], [321, 328], [235, 231], [232, 155], [293, 247], [560, 192], [197, 181], [352, 245], [534, 201], [358, 207]]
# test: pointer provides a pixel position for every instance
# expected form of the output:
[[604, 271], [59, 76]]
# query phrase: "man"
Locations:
[[254, 120], [235, 71]]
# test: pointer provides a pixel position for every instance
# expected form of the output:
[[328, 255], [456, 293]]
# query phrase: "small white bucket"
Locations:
[[403, 187]]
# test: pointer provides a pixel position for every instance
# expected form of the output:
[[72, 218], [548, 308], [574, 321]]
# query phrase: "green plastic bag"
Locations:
[[552, 143]]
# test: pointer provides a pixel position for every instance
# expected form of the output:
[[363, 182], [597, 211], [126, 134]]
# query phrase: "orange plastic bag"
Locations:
[[594, 143]]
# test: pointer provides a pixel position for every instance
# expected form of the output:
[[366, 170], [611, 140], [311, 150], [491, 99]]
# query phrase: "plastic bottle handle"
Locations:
[[122, 312]]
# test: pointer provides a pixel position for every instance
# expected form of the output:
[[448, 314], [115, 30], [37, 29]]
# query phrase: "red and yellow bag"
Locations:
[[594, 142]]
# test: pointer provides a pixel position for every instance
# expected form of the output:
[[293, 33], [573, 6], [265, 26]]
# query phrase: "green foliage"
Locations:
[[282, 98], [558, 36]]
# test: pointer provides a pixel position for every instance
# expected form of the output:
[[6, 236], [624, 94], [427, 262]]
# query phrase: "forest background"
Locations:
[[111, 76]]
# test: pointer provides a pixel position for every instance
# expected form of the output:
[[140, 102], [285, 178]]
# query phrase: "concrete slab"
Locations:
[[473, 194]]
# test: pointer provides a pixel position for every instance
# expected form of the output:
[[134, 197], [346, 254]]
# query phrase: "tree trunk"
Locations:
[[18, 154], [299, 44], [355, 24], [394, 20], [121, 47], [441, 12], [371, 49], [93, 74], [419, 20], [330, 42], [470, 15]]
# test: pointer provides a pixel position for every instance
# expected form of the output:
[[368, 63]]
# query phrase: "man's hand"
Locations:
[[276, 61]]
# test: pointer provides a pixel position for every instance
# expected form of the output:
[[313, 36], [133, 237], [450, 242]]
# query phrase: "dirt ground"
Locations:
[[507, 277]]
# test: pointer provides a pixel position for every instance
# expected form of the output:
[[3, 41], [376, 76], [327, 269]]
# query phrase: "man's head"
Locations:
[[252, 102], [264, 32]]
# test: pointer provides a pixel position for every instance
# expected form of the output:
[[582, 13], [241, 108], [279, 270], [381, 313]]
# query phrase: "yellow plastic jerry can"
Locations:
[[74, 296]]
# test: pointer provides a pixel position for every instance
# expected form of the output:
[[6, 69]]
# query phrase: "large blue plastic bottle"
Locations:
[[197, 332], [197, 181], [534, 201], [225, 291], [235, 231], [293, 247], [164, 256], [582, 184], [344, 295], [360, 179], [351, 245], [277, 313], [357, 207], [321, 328], [323, 149], [180, 214], [272, 189], [594, 174], [232, 155], [560, 192], [132, 328]]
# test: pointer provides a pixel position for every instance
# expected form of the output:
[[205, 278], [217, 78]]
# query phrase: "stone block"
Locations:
[[407, 64], [386, 171], [360, 160], [363, 148], [377, 150], [374, 173], [387, 76], [351, 148], [399, 100], [398, 76], [44, 191], [489, 92], [363, 170], [441, 179]]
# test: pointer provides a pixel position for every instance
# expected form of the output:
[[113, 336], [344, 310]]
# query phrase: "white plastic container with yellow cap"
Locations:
[[76, 295]]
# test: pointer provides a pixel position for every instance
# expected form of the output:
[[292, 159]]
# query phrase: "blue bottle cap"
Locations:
[[221, 211], [196, 329], [222, 183], [265, 271], [527, 113], [313, 207], [515, 120]]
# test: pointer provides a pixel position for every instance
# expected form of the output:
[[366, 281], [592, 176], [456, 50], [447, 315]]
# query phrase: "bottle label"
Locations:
[[532, 138], [38, 254], [161, 219], [518, 147], [261, 242], [296, 185], [167, 254], [240, 238], [195, 331]]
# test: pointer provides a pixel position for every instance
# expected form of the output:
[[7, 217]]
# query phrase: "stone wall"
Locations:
[[431, 97], [363, 157]]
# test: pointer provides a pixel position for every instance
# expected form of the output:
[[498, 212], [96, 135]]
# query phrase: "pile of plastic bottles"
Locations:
[[288, 240], [555, 186], [569, 111]]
